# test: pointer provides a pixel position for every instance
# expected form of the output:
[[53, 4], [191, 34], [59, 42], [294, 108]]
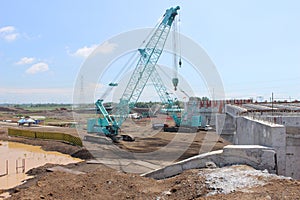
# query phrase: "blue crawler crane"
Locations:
[[144, 70]]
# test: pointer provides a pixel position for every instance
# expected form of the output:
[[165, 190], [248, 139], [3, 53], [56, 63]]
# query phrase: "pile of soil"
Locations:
[[101, 182], [10, 109]]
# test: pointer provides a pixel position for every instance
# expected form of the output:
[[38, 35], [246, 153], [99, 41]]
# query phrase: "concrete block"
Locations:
[[293, 130], [199, 163], [226, 126], [284, 120], [200, 160], [156, 174], [268, 161], [256, 156], [281, 159], [293, 161], [234, 110], [293, 140], [172, 170], [284, 140], [251, 131], [194, 164], [259, 157], [278, 136], [252, 151], [220, 121]]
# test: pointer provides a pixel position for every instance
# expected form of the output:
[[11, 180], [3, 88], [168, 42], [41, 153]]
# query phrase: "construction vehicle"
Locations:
[[145, 69]]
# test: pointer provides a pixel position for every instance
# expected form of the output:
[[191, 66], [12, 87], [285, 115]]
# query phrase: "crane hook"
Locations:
[[180, 62], [175, 83]]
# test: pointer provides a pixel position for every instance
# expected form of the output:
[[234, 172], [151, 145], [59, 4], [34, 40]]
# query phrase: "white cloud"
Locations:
[[104, 48], [10, 37], [25, 60], [107, 47], [7, 29], [85, 51], [8, 33], [38, 67]]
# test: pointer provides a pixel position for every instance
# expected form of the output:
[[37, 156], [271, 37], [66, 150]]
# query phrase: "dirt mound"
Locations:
[[106, 183], [82, 154], [9, 109]]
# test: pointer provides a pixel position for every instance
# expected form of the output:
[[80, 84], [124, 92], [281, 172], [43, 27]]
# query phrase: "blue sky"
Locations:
[[255, 45]]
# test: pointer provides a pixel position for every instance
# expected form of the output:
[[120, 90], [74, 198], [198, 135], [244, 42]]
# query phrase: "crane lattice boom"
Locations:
[[145, 66]]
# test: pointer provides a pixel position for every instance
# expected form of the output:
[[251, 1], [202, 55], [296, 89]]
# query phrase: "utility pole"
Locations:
[[272, 103], [81, 94]]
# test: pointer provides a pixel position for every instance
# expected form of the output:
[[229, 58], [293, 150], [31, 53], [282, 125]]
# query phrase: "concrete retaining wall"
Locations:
[[283, 134], [226, 123], [293, 161], [226, 126], [254, 132], [292, 120], [233, 110], [259, 157], [293, 152]]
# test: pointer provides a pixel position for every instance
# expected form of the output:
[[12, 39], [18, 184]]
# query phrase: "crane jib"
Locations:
[[170, 15]]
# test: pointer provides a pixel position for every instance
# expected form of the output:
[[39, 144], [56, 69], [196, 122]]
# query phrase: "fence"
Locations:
[[18, 166], [6, 167], [46, 135]]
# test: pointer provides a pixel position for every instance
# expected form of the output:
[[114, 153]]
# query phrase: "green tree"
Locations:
[[205, 99]]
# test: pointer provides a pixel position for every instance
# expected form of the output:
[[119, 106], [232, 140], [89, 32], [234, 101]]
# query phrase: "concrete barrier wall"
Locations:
[[293, 161], [45, 135], [233, 110], [259, 157], [254, 132], [283, 134], [293, 152], [226, 126], [293, 121]]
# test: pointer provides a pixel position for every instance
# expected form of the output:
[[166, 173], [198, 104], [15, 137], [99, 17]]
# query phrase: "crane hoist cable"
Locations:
[[179, 38], [174, 40], [166, 75], [176, 51]]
